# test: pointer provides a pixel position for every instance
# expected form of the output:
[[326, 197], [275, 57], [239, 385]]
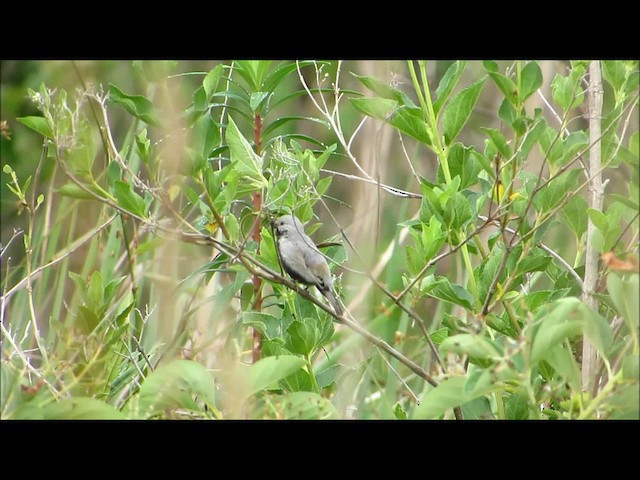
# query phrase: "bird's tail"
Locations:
[[333, 300]]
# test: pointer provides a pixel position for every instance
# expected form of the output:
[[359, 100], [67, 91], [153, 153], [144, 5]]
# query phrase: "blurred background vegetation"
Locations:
[[171, 291]]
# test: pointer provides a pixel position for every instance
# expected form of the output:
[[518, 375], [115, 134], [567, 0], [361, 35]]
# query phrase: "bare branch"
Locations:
[[596, 201]]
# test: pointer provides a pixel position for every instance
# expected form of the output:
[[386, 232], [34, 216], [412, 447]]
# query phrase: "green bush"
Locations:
[[481, 219]]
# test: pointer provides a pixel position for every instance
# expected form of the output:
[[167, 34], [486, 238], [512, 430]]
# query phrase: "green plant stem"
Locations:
[[416, 87], [602, 395], [442, 152], [472, 279], [312, 376], [519, 84], [76, 379], [500, 405], [28, 243]]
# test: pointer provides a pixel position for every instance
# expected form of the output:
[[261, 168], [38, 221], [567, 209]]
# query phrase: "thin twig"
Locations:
[[392, 190], [59, 257], [332, 121], [406, 156], [560, 260], [16, 233], [415, 397]]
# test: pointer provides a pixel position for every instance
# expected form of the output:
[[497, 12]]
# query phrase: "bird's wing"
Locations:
[[295, 263], [316, 263]]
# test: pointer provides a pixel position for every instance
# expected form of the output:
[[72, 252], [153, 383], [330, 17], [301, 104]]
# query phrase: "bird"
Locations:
[[302, 260]]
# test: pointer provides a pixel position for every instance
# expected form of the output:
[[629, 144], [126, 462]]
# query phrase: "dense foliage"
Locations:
[[481, 219]]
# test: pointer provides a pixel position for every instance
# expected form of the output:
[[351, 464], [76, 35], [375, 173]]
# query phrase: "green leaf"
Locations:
[[627, 201], [267, 371], [415, 260], [560, 320], [328, 376], [504, 84], [556, 190], [477, 409], [506, 112], [137, 105], [624, 294], [95, 290], [551, 144], [575, 214], [304, 337], [74, 191], [200, 102], [38, 124], [457, 211], [206, 136], [128, 199], [323, 185], [565, 365], [499, 142], [433, 238], [449, 292], [597, 330], [144, 145], [277, 75], [399, 413], [299, 381], [449, 81], [304, 406], [257, 101], [532, 137], [599, 219], [575, 143], [278, 122], [534, 262], [211, 80], [566, 91], [87, 320], [614, 72], [516, 406], [534, 300], [449, 394], [465, 163], [81, 156], [410, 121], [269, 326], [467, 344], [81, 408], [438, 336], [625, 404], [459, 109], [383, 89], [177, 384], [380, 108], [253, 72], [479, 380], [245, 160], [530, 81], [110, 289]]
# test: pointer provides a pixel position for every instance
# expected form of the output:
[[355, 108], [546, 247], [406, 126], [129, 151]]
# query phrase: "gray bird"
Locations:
[[302, 260]]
